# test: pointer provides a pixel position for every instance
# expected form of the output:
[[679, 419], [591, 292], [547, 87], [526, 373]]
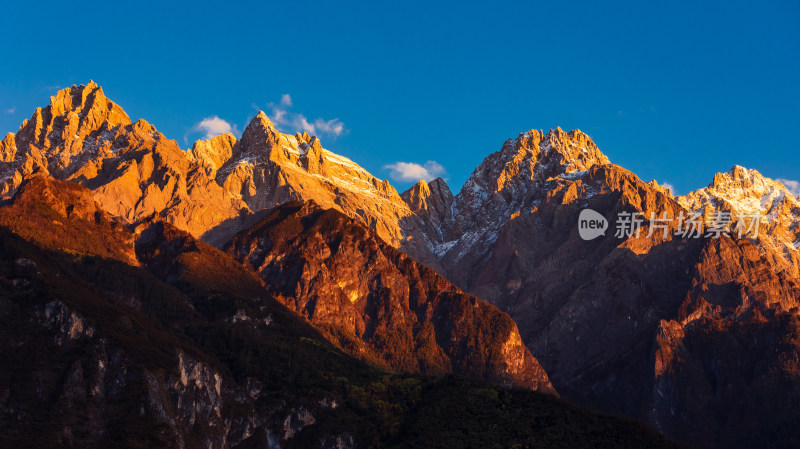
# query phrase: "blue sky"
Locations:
[[673, 91]]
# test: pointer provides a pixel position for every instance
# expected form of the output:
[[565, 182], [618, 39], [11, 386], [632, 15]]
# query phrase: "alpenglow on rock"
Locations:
[[745, 194], [133, 170], [691, 335], [212, 190]]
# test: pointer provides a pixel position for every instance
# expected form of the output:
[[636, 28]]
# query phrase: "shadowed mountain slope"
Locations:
[[345, 279], [184, 348]]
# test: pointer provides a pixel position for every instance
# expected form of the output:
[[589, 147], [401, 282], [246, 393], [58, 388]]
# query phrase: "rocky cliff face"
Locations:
[[101, 355], [150, 338], [368, 295], [611, 319], [432, 208], [214, 152], [651, 325], [733, 343]]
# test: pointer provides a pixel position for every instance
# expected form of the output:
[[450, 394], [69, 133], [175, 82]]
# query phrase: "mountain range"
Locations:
[[697, 337]]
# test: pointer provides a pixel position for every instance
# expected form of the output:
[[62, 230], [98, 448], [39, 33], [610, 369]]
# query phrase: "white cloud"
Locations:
[[793, 186], [333, 126], [213, 126], [670, 187], [11, 110], [289, 121], [413, 172]]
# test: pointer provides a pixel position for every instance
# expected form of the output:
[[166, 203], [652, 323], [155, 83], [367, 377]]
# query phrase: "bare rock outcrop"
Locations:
[[381, 303]]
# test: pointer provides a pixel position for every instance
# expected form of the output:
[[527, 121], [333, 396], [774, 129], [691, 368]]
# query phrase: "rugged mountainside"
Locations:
[[268, 168], [696, 336], [214, 152], [211, 190], [345, 279], [100, 352], [597, 313], [505, 183], [183, 347], [735, 343], [132, 169], [641, 326], [745, 193], [55, 215]]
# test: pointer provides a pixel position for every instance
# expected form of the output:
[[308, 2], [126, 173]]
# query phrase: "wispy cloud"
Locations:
[[413, 172], [670, 187], [11, 110], [213, 126], [290, 121], [333, 126], [793, 186]]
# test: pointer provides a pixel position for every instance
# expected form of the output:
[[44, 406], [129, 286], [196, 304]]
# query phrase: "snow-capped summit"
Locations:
[[508, 181], [530, 159], [746, 192]]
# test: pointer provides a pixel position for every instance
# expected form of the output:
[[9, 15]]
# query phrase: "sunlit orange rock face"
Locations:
[[184, 347], [697, 337], [135, 172], [379, 302], [268, 168], [366, 297], [64, 216], [132, 169]]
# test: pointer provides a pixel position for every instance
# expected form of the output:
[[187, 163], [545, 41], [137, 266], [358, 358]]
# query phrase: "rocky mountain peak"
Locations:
[[567, 152], [524, 143], [533, 157], [743, 190], [439, 185], [214, 152], [417, 196], [262, 119], [132, 170], [745, 180], [269, 168], [258, 139], [434, 197], [77, 125], [509, 182], [90, 104], [746, 193], [514, 161], [73, 114], [7, 148]]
